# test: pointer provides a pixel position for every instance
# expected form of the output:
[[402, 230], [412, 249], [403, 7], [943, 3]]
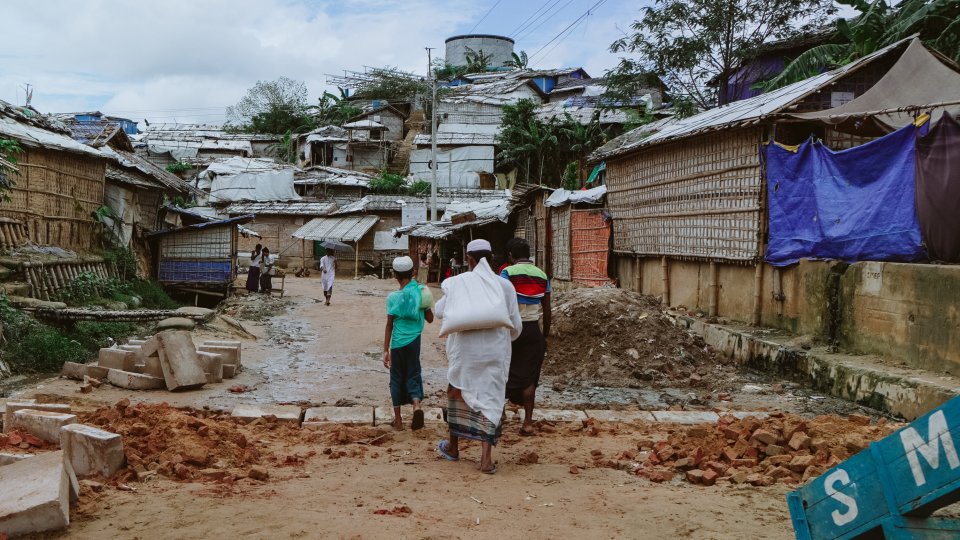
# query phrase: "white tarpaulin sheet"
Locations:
[[411, 214], [385, 241], [561, 197], [457, 168], [257, 186], [122, 202]]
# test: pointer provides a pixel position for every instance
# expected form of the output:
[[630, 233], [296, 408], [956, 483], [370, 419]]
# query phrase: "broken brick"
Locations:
[[709, 477], [764, 436], [695, 476], [800, 440], [860, 419]]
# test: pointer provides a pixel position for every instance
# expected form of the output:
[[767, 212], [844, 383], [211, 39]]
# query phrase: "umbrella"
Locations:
[[337, 246]]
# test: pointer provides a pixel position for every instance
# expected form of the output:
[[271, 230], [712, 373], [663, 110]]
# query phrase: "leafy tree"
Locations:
[[693, 44], [477, 62], [936, 21], [391, 84], [518, 61], [335, 110], [571, 176], [273, 107], [9, 149], [388, 183], [447, 72]]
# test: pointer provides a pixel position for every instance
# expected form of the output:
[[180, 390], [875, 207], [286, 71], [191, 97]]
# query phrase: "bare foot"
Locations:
[[398, 424]]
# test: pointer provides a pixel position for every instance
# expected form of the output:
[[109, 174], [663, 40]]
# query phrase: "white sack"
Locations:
[[474, 301]]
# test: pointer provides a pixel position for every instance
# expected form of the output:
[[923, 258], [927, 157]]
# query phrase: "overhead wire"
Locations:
[[576, 22], [531, 30], [529, 20], [485, 16]]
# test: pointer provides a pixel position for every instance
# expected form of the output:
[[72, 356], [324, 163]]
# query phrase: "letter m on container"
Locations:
[[912, 472]]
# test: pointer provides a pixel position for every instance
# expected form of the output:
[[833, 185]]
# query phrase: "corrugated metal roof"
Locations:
[[343, 229], [739, 113], [331, 176], [32, 129], [395, 203], [281, 208]]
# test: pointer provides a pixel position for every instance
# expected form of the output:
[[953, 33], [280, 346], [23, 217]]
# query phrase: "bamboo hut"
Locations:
[[59, 184], [688, 200]]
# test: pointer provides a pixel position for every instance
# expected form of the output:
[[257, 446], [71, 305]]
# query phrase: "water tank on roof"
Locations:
[[499, 47]]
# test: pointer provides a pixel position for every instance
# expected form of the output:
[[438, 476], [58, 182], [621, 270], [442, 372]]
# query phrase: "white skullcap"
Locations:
[[478, 245], [403, 264]]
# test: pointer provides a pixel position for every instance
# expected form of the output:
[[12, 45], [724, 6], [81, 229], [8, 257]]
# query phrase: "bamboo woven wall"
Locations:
[[560, 242], [539, 217], [55, 195], [696, 198], [590, 249]]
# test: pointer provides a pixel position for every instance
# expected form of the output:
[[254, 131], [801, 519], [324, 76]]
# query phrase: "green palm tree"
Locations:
[[518, 61], [937, 22], [477, 62]]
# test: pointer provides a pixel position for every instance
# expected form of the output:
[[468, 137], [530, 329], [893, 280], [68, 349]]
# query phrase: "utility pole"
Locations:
[[433, 136]]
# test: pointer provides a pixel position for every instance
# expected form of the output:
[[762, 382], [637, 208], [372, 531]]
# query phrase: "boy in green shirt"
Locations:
[[401, 343]]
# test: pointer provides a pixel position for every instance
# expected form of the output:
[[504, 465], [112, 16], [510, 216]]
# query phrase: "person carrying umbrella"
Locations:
[[328, 269]]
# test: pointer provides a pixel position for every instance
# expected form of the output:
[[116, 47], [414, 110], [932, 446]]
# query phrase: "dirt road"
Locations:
[[547, 487]]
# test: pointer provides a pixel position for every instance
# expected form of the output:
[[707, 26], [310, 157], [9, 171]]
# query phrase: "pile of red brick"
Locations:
[[780, 448]]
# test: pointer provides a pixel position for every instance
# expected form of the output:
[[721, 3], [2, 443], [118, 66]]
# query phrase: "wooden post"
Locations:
[[714, 290], [303, 253], [757, 288], [638, 275], [356, 259], [665, 268]]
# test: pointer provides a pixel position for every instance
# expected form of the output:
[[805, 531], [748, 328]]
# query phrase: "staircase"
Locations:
[[400, 152]]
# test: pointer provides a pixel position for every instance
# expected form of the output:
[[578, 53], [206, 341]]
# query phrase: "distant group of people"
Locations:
[[258, 277], [498, 358]]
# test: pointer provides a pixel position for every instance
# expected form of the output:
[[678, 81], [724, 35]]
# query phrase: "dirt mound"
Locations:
[[16, 439], [179, 443], [779, 449], [614, 337], [253, 307]]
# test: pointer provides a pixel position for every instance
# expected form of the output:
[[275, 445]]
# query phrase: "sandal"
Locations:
[[417, 420], [442, 450], [525, 433], [490, 471]]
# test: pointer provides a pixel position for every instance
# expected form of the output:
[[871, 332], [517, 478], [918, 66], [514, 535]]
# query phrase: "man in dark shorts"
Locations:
[[533, 297]]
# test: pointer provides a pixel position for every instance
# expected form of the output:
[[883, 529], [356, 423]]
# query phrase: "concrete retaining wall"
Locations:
[[908, 312]]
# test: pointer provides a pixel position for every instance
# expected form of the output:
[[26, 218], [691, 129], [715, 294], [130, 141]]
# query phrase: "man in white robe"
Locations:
[[479, 362]]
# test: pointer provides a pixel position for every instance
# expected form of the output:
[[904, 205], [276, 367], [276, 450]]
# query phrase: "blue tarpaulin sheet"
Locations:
[[853, 205]]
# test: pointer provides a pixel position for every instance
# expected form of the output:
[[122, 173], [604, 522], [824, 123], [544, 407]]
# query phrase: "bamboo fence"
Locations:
[[560, 242], [590, 247]]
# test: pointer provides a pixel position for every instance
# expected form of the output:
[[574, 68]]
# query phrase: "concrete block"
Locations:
[[131, 348], [383, 415], [135, 381], [229, 371], [740, 415], [117, 359], [91, 450], [136, 341], [14, 406], [175, 323], [221, 343], [72, 477], [150, 366], [178, 358], [621, 416], [212, 365], [73, 370], [557, 415], [231, 355], [318, 416], [36, 495], [6, 458], [686, 417], [42, 424], [249, 413]]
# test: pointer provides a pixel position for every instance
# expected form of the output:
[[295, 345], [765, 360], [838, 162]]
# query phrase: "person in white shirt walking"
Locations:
[[253, 274], [479, 360], [328, 268]]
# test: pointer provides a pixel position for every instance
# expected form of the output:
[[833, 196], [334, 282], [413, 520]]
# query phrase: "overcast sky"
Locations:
[[186, 60]]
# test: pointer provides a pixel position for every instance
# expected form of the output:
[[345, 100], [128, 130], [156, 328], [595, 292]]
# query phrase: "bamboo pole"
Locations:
[[665, 270], [638, 275], [356, 259], [303, 253], [713, 290], [25, 267], [757, 289]]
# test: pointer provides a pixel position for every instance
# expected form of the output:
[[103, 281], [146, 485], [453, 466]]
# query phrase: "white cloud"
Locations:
[[186, 60]]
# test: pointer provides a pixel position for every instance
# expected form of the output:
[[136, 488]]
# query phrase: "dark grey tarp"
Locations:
[[917, 78], [938, 189]]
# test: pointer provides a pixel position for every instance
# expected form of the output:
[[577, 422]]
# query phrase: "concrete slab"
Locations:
[[740, 415], [557, 415], [222, 343], [135, 381], [151, 366], [116, 359], [13, 406], [175, 323], [686, 417], [73, 370], [42, 424], [231, 355], [6, 458], [286, 413], [131, 348], [212, 365], [178, 358], [229, 371], [620, 416], [383, 415], [318, 416], [36, 495], [136, 341], [92, 450]]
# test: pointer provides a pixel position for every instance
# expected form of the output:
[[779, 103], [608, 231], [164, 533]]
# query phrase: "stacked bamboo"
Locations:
[[13, 233], [45, 279]]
